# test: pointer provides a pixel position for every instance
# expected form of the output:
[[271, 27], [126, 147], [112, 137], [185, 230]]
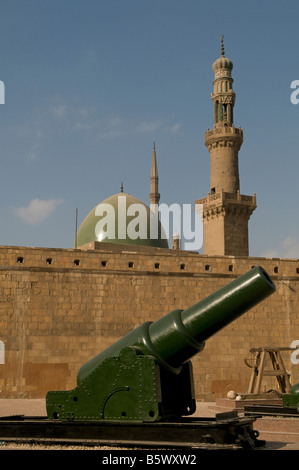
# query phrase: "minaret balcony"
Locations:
[[223, 135], [225, 200], [225, 129]]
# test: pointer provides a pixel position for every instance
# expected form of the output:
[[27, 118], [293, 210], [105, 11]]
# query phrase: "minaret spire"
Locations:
[[225, 210], [222, 46], [154, 195]]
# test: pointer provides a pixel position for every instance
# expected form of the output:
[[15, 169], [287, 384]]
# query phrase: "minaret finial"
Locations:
[[154, 145], [121, 187], [222, 46]]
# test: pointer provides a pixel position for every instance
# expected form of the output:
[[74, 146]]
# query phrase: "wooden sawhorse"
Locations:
[[259, 371]]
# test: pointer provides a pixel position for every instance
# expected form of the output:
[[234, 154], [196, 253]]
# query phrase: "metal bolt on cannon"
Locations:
[[147, 375]]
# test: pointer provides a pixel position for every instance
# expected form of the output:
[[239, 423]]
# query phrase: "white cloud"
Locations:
[[175, 127], [158, 124], [149, 126], [73, 117], [117, 126], [65, 117], [289, 249], [37, 210], [59, 111]]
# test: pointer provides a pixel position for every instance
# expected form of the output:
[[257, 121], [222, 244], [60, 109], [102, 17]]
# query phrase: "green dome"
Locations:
[[105, 223]]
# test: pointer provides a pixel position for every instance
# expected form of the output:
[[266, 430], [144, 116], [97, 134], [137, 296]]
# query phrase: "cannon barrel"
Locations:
[[181, 334], [135, 378]]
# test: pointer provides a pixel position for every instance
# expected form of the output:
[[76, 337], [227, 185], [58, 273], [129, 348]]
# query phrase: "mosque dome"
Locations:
[[223, 63], [120, 219]]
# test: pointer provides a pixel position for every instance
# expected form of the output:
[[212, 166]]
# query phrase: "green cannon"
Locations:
[[291, 400], [147, 375]]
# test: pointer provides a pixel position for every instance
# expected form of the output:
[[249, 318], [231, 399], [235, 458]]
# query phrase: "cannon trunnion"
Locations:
[[147, 375]]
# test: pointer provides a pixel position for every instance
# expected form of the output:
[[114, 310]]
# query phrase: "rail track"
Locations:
[[270, 410], [225, 431]]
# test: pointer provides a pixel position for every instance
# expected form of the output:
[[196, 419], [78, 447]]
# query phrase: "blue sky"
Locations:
[[91, 84]]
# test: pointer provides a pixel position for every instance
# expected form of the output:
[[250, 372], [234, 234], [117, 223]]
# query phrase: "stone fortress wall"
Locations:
[[60, 307]]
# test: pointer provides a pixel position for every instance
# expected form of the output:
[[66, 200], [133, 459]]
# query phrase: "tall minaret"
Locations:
[[154, 195], [225, 211]]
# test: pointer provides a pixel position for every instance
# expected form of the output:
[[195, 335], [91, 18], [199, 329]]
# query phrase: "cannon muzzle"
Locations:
[[147, 374]]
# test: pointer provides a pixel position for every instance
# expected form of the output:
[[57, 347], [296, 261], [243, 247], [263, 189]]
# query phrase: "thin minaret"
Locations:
[[154, 195]]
